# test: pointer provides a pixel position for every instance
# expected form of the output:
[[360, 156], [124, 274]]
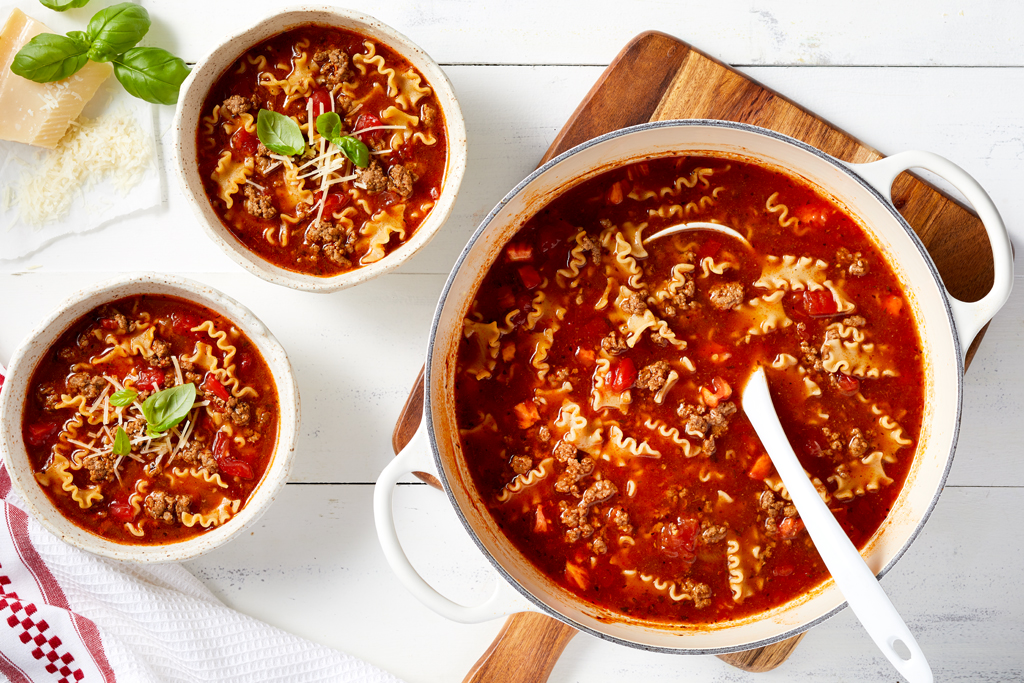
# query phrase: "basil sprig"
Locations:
[[149, 73], [279, 133], [62, 5], [115, 30], [123, 398], [328, 124], [122, 446], [165, 409]]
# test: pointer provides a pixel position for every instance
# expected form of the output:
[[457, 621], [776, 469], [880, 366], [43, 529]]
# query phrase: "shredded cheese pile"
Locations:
[[111, 146]]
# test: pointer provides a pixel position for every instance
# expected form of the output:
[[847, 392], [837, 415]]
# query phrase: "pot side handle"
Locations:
[[969, 317], [416, 457]]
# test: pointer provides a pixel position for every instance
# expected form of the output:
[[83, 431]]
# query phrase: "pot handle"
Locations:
[[416, 457], [968, 317]]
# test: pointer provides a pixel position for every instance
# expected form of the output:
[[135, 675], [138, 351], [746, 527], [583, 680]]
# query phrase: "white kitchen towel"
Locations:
[[67, 615]]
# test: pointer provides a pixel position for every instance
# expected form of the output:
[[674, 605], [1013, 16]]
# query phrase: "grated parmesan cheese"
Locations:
[[111, 146]]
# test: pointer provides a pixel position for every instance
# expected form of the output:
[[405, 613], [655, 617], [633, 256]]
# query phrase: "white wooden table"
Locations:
[[939, 76]]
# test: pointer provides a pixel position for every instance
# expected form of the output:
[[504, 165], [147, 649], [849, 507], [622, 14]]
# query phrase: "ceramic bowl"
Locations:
[[39, 341], [210, 68]]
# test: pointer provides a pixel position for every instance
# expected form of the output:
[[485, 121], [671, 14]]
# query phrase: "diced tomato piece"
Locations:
[[518, 251], [244, 361], [220, 445], [334, 201], [709, 248], [39, 433], [121, 510], [813, 448], [847, 385], [790, 528], [235, 467], [893, 305], [183, 322], [616, 193], [108, 324], [623, 375], [321, 102], [679, 539], [213, 385], [245, 142], [530, 277], [719, 391], [367, 121], [820, 303], [762, 467], [150, 378], [526, 414]]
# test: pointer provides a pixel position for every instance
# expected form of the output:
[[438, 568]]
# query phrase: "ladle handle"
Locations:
[[416, 457], [851, 574], [969, 317]]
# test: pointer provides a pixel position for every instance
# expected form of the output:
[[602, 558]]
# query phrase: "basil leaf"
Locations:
[[328, 124], [279, 133], [122, 446], [166, 408], [123, 398], [49, 57], [116, 29], [61, 5], [354, 150], [151, 73]]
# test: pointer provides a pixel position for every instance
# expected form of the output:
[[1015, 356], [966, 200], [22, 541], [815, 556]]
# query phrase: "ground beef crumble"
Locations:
[[334, 67], [726, 295], [259, 204], [167, 508]]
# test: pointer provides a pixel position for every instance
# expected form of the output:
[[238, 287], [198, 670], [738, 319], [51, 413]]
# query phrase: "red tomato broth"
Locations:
[[205, 476], [362, 99], [676, 498]]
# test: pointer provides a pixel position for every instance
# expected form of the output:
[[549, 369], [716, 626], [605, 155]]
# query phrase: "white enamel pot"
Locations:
[[947, 327]]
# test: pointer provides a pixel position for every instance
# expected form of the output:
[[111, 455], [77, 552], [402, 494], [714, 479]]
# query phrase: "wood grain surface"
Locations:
[[657, 77]]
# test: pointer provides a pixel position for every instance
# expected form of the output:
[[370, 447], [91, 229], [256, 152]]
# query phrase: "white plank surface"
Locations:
[[941, 76]]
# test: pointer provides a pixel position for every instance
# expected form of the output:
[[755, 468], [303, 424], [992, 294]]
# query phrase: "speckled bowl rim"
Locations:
[[210, 67], [42, 337]]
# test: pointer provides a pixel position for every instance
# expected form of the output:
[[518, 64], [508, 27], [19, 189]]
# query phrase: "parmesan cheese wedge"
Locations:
[[40, 113]]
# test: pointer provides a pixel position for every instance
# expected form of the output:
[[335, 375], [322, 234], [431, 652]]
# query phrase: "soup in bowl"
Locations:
[[150, 419], [324, 152]]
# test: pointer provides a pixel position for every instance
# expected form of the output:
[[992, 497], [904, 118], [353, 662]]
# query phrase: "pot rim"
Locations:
[[483, 227]]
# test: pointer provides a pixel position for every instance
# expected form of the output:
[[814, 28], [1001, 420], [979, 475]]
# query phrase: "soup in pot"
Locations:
[[598, 379]]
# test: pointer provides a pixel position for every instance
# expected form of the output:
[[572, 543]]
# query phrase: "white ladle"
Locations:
[[852, 575], [697, 225]]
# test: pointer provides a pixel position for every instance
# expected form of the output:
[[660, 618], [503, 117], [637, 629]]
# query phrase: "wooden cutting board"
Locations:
[[658, 77]]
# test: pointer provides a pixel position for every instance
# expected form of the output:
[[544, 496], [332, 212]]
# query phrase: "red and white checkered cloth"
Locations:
[[67, 615]]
